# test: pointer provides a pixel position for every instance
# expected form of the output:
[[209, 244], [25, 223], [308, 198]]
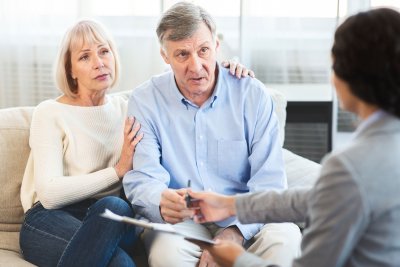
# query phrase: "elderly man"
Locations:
[[203, 125]]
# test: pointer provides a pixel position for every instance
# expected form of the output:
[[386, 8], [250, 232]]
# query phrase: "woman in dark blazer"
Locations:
[[352, 213]]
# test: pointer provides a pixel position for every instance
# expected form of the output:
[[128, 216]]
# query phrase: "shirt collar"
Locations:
[[364, 124], [181, 98]]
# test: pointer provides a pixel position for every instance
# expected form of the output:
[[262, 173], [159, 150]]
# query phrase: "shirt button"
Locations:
[[201, 163], [201, 137]]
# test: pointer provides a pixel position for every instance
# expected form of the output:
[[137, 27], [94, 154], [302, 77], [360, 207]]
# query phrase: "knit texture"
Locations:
[[73, 152]]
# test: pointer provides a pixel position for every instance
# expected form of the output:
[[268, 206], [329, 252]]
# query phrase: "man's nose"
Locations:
[[195, 64]]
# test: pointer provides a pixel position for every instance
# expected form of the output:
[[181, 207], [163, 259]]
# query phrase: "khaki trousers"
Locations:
[[277, 242]]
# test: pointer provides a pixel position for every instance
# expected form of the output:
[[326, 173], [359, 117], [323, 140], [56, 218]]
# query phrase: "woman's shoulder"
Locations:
[[119, 102], [46, 107]]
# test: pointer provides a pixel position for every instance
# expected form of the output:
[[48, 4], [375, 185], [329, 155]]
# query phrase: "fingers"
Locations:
[[129, 121], [242, 71], [173, 206], [196, 195], [172, 216], [131, 131], [239, 70], [251, 74], [206, 260], [245, 72], [233, 67], [199, 218], [173, 196], [136, 140]]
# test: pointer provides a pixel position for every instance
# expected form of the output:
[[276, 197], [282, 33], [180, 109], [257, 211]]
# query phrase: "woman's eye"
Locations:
[[84, 58], [105, 51]]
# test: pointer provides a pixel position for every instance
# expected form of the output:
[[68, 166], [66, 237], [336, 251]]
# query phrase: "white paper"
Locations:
[[163, 227], [111, 215]]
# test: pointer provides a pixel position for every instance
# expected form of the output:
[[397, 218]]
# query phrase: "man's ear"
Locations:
[[164, 55], [217, 45]]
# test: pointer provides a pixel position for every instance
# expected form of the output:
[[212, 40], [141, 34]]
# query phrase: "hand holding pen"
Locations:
[[176, 205]]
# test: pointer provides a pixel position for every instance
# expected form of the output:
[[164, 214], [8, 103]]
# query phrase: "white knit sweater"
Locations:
[[73, 152]]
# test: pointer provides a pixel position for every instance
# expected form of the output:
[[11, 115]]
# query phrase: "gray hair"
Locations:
[[182, 20]]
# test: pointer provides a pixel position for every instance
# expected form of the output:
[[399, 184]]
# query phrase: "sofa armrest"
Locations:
[[299, 170]]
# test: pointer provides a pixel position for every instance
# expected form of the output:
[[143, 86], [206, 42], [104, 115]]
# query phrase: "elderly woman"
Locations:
[[82, 146], [353, 211]]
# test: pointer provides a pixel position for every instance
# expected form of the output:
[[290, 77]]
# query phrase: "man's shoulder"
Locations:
[[155, 83], [244, 83]]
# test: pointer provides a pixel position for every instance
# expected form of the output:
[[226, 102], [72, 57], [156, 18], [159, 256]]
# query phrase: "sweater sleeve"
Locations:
[[48, 144]]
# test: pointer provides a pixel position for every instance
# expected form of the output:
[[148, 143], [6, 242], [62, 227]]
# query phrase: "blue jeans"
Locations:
[[76, 235]]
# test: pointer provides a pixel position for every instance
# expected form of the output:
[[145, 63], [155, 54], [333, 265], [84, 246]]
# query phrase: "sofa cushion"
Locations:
[[280, 110], [14, 259], [300, 171], [14, 152]]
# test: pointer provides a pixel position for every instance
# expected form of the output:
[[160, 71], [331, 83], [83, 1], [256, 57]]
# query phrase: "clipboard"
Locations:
[[162, 227]]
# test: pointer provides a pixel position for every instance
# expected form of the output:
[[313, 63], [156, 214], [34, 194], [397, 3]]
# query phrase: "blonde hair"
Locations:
[[84, 31]]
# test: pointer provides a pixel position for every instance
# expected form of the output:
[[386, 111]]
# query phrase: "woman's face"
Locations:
[[347, 100], [93, 67]]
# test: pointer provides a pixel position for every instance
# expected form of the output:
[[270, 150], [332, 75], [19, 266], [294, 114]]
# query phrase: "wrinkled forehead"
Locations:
[[86, 36]]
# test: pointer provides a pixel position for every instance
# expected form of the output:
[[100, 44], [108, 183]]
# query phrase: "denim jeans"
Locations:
[[76, 235]]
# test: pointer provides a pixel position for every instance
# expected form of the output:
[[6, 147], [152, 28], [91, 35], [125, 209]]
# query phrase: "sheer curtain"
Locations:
[[30, 32], [286, 42]]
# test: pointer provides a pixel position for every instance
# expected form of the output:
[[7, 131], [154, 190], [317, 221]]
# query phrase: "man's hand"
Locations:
[[173, 206], [211, 207], [227, 249]]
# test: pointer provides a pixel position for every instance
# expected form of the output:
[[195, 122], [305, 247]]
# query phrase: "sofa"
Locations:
[[14, 152]]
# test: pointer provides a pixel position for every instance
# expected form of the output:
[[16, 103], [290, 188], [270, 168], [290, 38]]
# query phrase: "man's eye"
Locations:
[[204, 50]]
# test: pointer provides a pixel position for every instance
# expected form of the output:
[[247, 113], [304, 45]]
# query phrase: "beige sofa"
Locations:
[[14, 151]]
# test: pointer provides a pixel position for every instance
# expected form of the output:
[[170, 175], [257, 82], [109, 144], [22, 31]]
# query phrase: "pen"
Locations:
[[187, 197]]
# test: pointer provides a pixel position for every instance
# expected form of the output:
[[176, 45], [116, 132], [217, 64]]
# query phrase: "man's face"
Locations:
[[193, 61]]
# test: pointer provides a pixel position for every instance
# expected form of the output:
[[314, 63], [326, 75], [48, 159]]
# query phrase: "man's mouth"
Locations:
[[197, 79]]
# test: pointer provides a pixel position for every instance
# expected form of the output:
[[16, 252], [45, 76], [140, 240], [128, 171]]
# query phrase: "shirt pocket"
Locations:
[[233, 159]]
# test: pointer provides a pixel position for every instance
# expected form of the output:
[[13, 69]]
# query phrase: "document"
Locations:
[[162, 227]]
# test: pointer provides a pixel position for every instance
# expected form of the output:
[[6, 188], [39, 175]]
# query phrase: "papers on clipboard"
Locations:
[[162, 227]]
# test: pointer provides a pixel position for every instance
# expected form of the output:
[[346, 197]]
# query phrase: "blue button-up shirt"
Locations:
[[228, 145]]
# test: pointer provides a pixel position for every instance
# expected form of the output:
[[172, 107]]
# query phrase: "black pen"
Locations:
[[188, 199]]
